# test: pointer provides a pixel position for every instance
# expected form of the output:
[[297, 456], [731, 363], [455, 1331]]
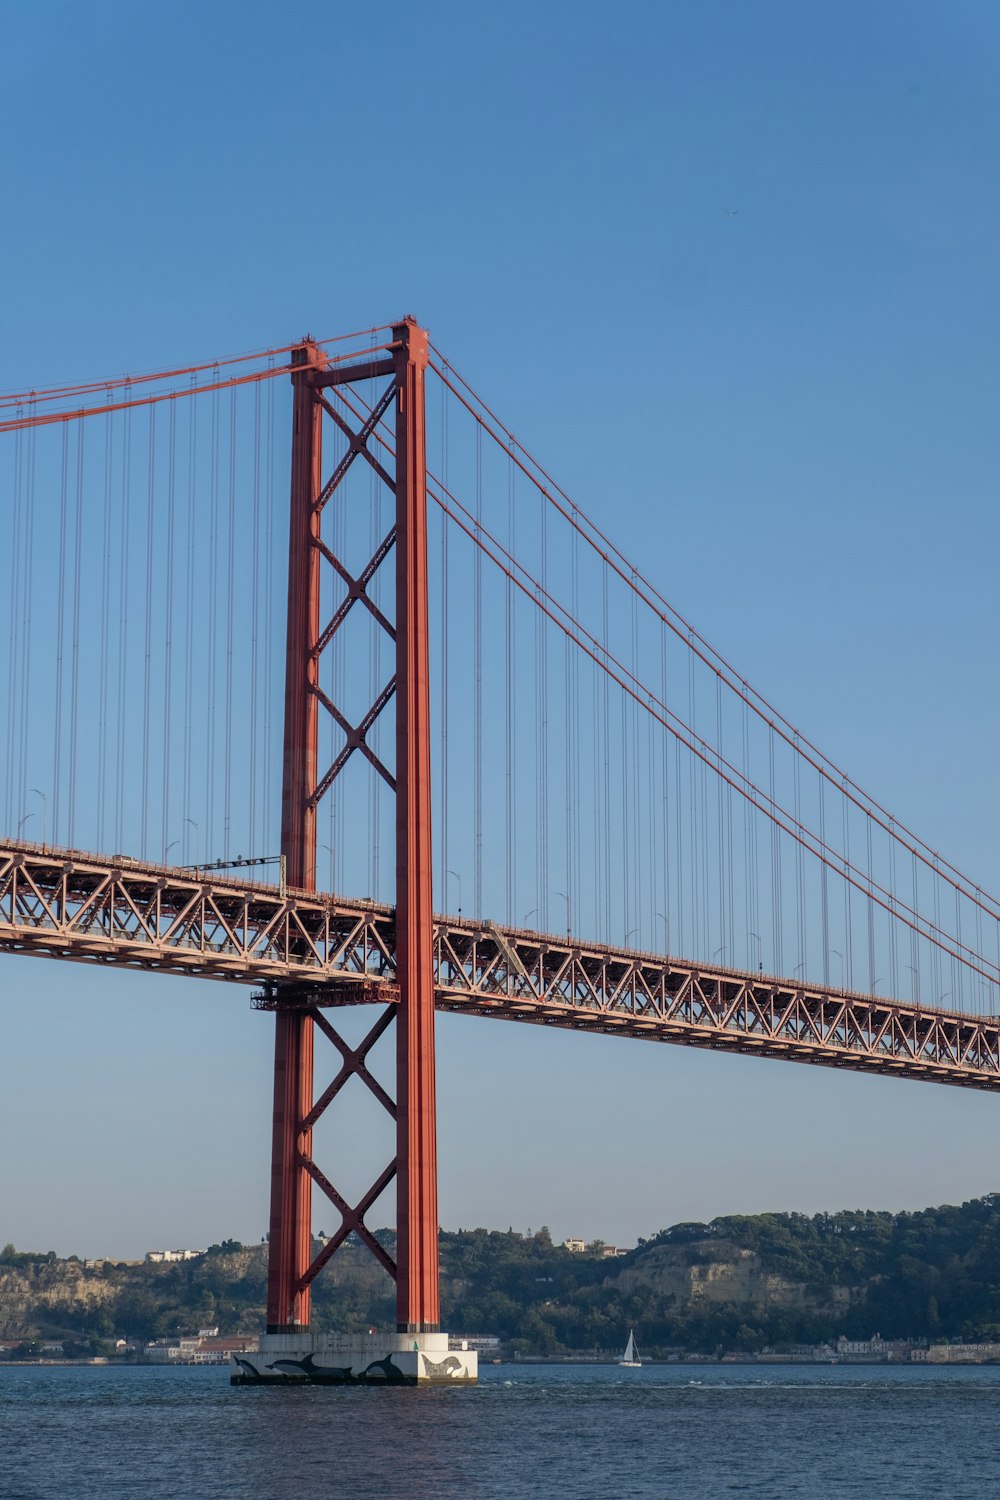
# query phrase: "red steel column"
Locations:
[[416, 1139], [290, 1241]]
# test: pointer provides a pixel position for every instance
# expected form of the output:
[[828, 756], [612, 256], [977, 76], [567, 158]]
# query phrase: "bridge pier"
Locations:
[[355, 1359]]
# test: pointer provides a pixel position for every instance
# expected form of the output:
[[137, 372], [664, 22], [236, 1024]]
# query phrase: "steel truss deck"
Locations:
[[315, 950]]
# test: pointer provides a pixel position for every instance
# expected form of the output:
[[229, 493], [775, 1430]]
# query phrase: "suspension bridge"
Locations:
[[248, 691]]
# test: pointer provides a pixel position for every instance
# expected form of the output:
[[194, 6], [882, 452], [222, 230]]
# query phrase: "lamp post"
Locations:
[[45, 812], [760, 950], [839, 955], [569, 916], [197, 841], [455, 876]]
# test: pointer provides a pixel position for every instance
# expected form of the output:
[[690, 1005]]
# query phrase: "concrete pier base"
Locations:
[[355, 1359]]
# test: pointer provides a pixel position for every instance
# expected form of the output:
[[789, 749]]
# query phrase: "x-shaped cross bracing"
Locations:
[[355, 736], [353, 1065]]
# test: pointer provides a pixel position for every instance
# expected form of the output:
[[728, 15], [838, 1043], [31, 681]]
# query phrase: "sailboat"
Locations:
[[631, 1356]]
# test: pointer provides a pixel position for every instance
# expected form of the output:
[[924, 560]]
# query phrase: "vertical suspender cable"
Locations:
[[626, 827], [27, 628], [511, 863], [628, 788], [893, 934], [776, 902], [227, 763], [824, 885], [626, 814], [103, 750], [598, 751], [693, 865], [800, 870], [543, 736], [752, 930], [727, 954], [937, 973], [478, 670], [914, 939], [736, 949], [253, 737], [848, 911], [208, 834], [187, 807], [568, 774], [574, 882], [168, 630], [634, 866], [74, 702], [60, 632], [755, 878], [665, 793], [703, 846], [123, 601], [731, 877], [12, 813], [871, 909], [653, 862], [148, 641], [445, 595], [680, 942], [606, 736], [270, 633]]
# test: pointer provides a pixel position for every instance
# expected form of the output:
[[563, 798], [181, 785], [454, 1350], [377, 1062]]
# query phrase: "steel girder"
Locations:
[[315, 951], [65, 904]]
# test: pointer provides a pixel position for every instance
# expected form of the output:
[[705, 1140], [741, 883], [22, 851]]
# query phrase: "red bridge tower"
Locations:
[[292, 1266]]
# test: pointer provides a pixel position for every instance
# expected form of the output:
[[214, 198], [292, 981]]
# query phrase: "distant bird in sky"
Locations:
[[732, 212]]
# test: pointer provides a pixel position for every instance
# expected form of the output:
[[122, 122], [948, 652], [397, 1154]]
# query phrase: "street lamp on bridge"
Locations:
[[197, 841], [45, 812], [455, 876]]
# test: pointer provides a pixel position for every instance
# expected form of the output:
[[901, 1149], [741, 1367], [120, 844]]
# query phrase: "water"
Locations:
[[670, 1432]]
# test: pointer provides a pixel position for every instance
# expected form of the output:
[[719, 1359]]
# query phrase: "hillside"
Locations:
[[740, 1282]]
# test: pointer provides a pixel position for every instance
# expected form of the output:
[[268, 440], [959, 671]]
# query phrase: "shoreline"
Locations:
[[699, 1361]]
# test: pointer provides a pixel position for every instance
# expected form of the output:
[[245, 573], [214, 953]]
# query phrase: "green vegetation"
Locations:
[[931, 1273], [741, 1282]]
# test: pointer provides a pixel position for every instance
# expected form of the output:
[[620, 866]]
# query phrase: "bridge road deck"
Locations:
[[319, 950]]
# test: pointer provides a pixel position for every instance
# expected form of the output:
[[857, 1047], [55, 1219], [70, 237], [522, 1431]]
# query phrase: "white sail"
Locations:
[[630, 1357]]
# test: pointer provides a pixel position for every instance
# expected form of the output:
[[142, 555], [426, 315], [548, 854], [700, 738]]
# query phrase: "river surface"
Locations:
[[573, 1432]]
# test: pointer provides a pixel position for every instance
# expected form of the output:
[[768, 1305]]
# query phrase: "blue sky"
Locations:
[[789, 409]]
